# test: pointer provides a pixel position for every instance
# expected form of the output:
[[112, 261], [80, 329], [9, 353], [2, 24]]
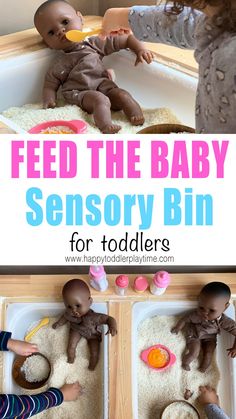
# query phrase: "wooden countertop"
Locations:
[[183, 286]]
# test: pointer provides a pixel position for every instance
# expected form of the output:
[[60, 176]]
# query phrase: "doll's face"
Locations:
[[77, 302], [211, 307], [54, 21]]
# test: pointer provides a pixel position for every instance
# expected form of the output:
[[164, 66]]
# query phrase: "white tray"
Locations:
[[19, 317], [226, 365]]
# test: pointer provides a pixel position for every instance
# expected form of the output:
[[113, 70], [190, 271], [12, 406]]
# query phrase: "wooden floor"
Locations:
[[37, 288]]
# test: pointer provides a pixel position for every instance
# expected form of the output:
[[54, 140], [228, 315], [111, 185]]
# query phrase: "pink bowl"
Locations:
[[170, 362], [78, 126]]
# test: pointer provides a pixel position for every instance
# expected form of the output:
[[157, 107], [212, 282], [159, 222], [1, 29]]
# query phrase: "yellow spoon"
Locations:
[[42, 323], [78, 36]]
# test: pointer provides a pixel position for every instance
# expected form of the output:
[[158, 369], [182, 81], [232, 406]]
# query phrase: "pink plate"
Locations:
[[171, 357], [78, 126]]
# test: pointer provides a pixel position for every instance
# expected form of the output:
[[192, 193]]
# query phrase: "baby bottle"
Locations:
[[140, 284], [98, 279], [122, 282], [160, 282]]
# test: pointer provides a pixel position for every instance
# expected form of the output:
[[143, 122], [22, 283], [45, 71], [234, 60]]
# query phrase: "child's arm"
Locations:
[[17, 346], [12, 405], [152, 24]]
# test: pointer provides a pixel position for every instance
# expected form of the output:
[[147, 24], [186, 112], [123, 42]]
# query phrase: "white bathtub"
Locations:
[[155, 85], [226, 365], [19, 316]]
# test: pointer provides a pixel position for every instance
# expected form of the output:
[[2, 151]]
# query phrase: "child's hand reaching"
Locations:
[[71, 392], [21, 348], [144, 55], [208, 395], [232, 352]]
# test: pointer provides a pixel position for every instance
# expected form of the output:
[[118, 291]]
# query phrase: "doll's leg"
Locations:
[[208, 348], [94, 349], [99, 105], [120, 99], [74, 338], [191, 352]]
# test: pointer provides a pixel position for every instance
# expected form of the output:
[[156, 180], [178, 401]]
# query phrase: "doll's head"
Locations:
[[213, 300], [53, 19], [77, 298]]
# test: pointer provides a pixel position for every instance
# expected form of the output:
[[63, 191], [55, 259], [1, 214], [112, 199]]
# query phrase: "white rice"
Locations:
[[35, 368]]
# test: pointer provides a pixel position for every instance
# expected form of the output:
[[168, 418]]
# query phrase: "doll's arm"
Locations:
[[111, 323], [139, 49], [179, 326], [112, 326], [232, 351], [229, 325], [49, 97], [62, 320]]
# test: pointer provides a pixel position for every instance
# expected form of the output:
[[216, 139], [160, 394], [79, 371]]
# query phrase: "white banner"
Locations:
[[150, 199]]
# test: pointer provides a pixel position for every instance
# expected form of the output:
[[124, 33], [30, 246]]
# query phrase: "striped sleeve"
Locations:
[[23, 407], [4, 338]]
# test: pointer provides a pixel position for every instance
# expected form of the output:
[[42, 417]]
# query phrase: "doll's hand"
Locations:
[[232, 352], [112, 330], [144, 56], [21, 348], [175, 330], [55, 325], [49, 98], [49, 103]]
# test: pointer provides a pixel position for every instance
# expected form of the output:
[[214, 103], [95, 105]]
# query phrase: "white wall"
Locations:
[[17, 15]]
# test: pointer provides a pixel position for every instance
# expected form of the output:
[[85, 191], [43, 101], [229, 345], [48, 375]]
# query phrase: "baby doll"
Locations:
[[79, 69], [204, 324], [84, 322]]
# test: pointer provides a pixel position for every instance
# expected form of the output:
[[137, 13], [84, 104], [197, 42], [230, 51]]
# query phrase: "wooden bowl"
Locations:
[[166, 129], [19, 376], [181, 401]]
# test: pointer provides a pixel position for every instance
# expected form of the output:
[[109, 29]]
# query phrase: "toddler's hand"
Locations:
[[144, 55], [71, 392], [21, 348], [232, 352], [175, 330], [208, 395], [115, 22]]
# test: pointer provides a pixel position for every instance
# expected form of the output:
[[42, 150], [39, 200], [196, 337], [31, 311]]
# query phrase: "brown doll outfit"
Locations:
[[89, 325], [198, 329], [80, 69]]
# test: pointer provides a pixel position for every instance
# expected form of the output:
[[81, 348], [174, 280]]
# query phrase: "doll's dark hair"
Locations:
[[225, 18], [45, 5], [216, 289]]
